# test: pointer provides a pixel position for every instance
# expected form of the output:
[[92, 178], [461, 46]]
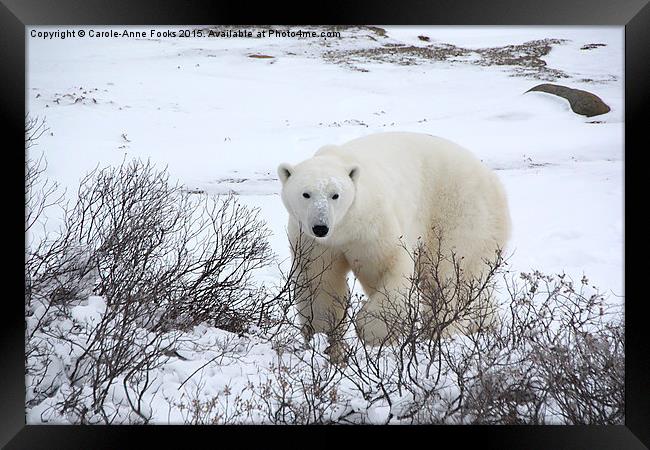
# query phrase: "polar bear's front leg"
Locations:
[[321, 291], [378, 322]]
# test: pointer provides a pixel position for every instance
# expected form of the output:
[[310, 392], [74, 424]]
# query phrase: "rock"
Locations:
[[582, 102], [592, 46], [378, 31], [260, 56]]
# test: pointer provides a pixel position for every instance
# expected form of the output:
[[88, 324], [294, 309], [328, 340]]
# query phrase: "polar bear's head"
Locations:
[[318, 193]]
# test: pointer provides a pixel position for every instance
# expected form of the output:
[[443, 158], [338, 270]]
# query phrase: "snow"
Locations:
[[91, 311], [222, 121]]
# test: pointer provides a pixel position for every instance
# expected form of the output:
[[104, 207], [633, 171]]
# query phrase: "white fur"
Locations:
[[394, 188]]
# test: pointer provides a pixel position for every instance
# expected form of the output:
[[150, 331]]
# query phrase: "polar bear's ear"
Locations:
[[284, 172], [353, 172]]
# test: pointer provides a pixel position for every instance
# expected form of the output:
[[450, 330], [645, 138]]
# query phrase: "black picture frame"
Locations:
[[15, 15]]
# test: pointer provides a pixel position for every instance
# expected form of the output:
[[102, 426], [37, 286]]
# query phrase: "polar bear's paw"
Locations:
[[338, 352]]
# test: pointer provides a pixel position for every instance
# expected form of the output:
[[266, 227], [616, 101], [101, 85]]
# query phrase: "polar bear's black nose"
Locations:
[[320, 230]]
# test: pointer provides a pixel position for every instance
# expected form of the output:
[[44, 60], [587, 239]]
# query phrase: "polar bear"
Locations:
[[366, 206]]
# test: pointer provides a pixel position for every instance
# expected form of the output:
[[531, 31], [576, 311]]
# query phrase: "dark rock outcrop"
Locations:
[[582, 102]]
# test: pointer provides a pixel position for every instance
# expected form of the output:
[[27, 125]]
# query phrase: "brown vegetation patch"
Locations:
[[524, 59]]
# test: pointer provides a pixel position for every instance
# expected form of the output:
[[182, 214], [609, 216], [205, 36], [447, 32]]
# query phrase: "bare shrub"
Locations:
[[493, 349], [556, 357], [135, 263], [301, 389], [34, 128], [191, 258], [225, 407]]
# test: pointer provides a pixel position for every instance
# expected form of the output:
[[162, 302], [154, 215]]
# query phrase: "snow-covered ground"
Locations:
[[222, 119]]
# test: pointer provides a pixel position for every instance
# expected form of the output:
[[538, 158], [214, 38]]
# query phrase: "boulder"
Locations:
[[582, 102]]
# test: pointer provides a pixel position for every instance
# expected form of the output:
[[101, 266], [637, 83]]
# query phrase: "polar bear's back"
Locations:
[[393, 150], [413, 161], [434, 179]]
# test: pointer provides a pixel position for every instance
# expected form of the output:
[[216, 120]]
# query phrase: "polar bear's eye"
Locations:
[[306, 195], [335, 196]]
